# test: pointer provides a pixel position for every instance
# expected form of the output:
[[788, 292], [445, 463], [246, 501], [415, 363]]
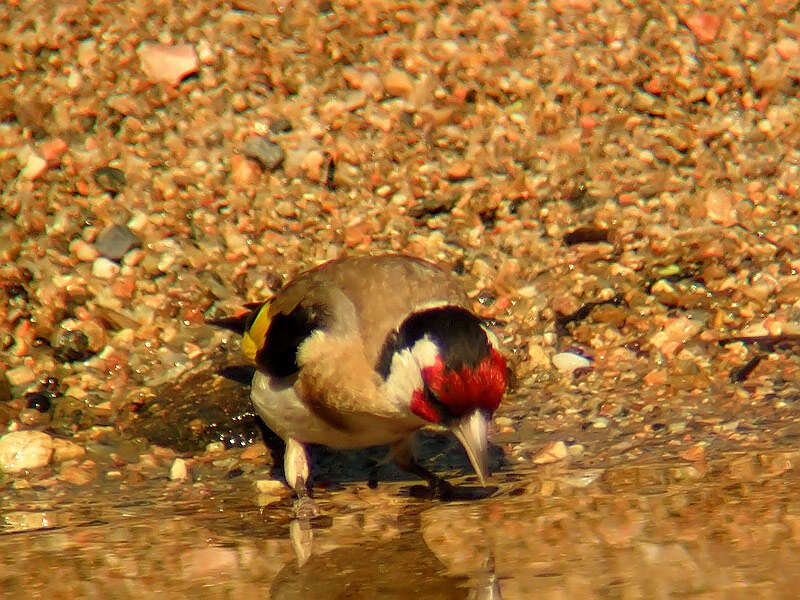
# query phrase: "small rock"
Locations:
[[704, 26], [115, 241], [695, 453], [38, 401], [720, 208], [64, 450], [270, 487], [268, 153], [20, 450], [538, 357], [77, 474], [20, 376], [83, 251], [254, 451], [179, 471], [34, 167], [567, 362], [70, 348], [87, 53], [5, 387], [280, 125], [52, 149], [553, 452], [787, 48], [19, 520], [109, 179], [167, 64], [105, 268], [459, 170], [398, 83], [243, 170], [312, 164]]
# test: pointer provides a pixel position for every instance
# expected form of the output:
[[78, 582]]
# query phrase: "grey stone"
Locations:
[[268, 153], [115, 241]]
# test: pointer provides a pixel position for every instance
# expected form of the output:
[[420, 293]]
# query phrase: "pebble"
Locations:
[[720, 208], [21, 450], [19, 520], [179, 471], [312, 164], [280, 125], [787, 48], [64, 450], [254, 451], [34, 167], [243, 170], [109, 179], [552, 452], [267, 153], [270, 487], [166, 63], [20, 376], [105, 268], [115, 241], [704, 26], [83, 251], [567, 362], [77, 474], [398, 83], [52, 149], [38, 401]]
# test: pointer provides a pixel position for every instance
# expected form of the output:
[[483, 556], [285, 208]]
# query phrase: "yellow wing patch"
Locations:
[[253, 338]]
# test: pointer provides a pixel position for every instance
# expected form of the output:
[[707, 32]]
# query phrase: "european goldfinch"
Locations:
[[363, 351]]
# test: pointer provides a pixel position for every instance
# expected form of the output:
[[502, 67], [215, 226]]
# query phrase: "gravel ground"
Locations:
[[616, 183]]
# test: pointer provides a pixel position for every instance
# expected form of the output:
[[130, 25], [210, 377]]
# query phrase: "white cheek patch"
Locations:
[[405, 372], [425, 352]]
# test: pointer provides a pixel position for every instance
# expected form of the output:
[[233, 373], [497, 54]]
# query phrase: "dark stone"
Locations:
[[280, 125], [115, 241], [109, 179], [586, 235], [432, 206], [268, 153], [5, 388], [71, 346], [38, 400]]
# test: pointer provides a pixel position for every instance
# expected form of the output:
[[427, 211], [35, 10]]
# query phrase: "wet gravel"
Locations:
[[615, 183]]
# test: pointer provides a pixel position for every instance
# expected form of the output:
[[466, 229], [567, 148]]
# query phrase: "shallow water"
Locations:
[[728, 528]]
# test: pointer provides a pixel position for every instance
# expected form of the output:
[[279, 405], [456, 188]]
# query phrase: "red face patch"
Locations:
[[469, 388]]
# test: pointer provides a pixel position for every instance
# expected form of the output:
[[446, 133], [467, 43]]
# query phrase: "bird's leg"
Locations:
[[295, 467], [403, 455]]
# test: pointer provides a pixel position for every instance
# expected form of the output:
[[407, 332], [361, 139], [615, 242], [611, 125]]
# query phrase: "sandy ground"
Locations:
[[615, 182]]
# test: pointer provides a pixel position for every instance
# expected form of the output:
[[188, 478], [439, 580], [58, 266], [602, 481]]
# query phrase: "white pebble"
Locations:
[[567, 362], [20, 450], [34, 167], [104, 268], [179, 470]]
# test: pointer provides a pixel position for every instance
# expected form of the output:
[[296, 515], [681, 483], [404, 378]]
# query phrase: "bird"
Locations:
[[364, 351]]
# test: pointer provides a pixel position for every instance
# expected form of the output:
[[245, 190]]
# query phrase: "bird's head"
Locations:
[[463, 375]]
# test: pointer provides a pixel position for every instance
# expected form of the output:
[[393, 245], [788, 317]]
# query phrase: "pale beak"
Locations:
[[471, 430]]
